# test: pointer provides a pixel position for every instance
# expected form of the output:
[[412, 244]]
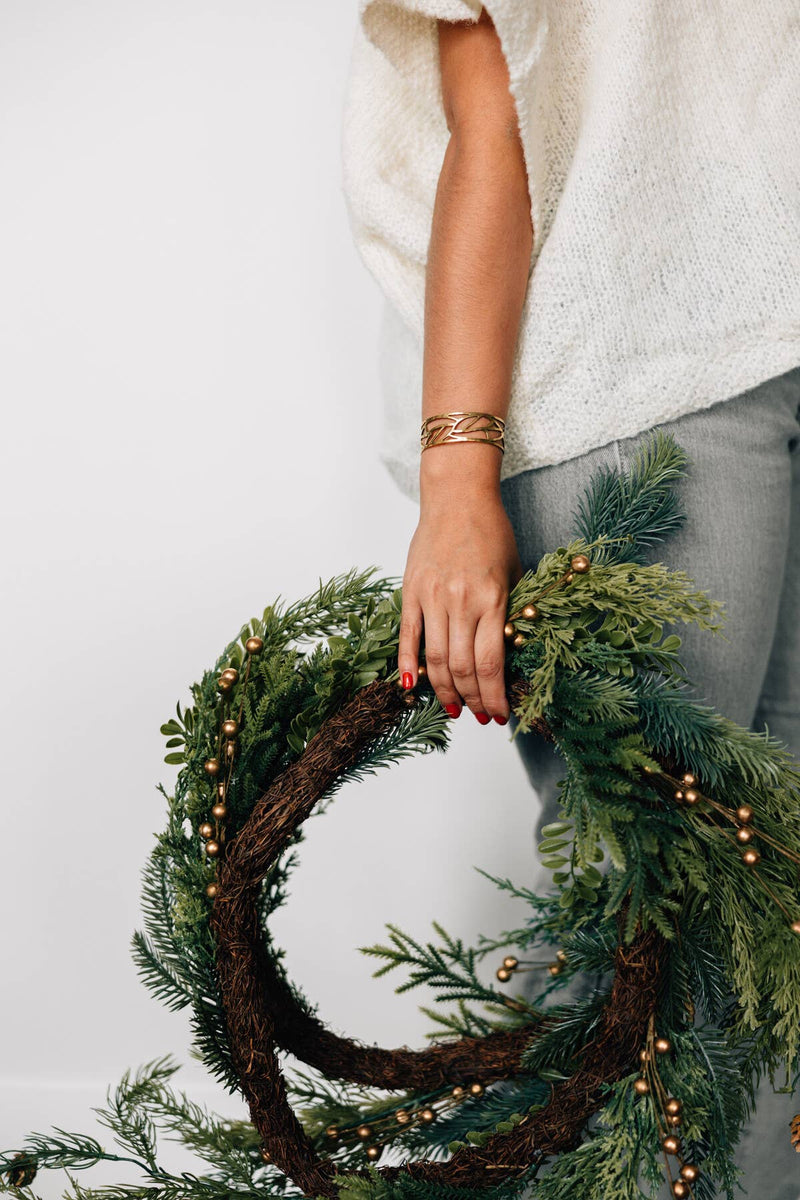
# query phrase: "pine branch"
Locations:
[[450, 968], [639, 504]]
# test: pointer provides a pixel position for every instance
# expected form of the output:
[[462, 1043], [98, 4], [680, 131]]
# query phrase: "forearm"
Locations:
[[463, 559], [477, 271]]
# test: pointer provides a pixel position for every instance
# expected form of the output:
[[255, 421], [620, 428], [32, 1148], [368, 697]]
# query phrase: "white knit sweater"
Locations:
[[662, 147]]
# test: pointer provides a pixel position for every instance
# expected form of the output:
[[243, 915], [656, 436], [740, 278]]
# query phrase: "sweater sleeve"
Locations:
[[406, 33]]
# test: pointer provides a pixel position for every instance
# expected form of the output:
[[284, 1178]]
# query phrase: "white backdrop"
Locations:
[[191, 423]]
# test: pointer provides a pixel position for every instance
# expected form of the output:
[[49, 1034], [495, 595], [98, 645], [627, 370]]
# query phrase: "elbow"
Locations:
[[495, 123], [487, 135]]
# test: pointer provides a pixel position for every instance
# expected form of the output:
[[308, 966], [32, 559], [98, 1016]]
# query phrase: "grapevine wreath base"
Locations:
[[673, 980], [261, 1012]]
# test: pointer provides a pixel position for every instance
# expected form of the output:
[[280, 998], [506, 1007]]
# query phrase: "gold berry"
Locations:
[[691, 796], [662, 1045], [265, 1154], [744, 814], [744, 835], [212, 766], [231, 674], [519, 639], [679, 795], [402, 1116], [679, 1189], [641, 1087], [332, 1131], [224, 685], [689, 779], [458, 1092], [230, 728], [561, 956], [373, 1152], [671, 1144], [510, 962], [674, 1120], [644, 1056], [230, 749], [554, 968], [568, 578], [503, 974], [206, 829], [509, 629], [751, 857], [422, 670], [219, 811], [364, 1131], [530, 612], [689, 1172], [580, 563], [795, 926], [673, 1107], [254, 645], [476, 1089], [427, 1115], [211, 890], [221, 790], [212, 849]]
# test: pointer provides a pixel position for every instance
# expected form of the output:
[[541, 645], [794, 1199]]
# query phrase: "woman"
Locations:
[[585, 220]]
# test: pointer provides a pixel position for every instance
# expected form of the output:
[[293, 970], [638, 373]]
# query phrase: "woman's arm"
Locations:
[[463, 559]]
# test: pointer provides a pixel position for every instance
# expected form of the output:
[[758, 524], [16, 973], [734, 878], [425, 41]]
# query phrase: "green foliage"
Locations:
[[374, 1187], [709, 744], [610, 619], [356, 658], [569, 1028], [619, 1158], [141, 1107], [640, 507], [601, 666], [449, 968]]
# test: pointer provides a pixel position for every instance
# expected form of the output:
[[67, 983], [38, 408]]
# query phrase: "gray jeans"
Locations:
[[741, 544]]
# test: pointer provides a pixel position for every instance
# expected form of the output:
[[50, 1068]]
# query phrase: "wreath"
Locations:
[[667, 951]]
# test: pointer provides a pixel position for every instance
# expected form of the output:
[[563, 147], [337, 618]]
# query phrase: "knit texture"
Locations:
[[663, 161]]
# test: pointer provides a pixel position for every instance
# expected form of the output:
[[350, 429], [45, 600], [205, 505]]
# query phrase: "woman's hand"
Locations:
[[462, 563]]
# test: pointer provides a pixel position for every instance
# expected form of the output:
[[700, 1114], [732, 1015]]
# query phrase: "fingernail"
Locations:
[[453, 710], [501, 720], [408, 679], [483, 717]]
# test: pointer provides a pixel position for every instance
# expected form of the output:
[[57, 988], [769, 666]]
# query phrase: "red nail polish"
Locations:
[[501, 720], [408, 680], [483, 717], [453, 710]]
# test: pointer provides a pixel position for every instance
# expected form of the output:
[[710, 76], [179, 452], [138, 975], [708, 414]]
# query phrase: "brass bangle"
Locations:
[[440, 428]]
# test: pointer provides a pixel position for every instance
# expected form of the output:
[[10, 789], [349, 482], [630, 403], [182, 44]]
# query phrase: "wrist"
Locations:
[[459, 471]]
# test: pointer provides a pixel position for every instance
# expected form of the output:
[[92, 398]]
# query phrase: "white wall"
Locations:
[[191, 419]]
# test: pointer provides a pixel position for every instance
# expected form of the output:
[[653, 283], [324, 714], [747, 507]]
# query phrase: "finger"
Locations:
[[490, 659], [462, 627], [435, 622], [408, 643]]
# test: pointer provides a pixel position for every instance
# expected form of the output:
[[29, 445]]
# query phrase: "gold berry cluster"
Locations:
[[220, 766], [578, 565], [378, 1131], [686, 791], [668, 1112], [511, 965]]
